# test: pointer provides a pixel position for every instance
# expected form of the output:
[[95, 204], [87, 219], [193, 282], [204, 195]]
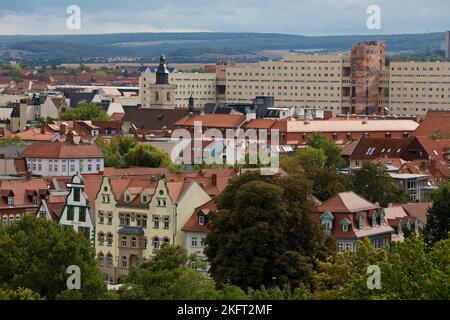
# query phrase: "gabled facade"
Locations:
[[77, 212], [348, 218], [136, 215]]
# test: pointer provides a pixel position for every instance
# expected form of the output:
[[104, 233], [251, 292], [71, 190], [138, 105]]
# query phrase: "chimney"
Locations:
[[214, 179]]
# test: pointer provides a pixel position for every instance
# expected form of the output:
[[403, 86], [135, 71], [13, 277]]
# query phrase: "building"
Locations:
[[397, 217], [196, 229], [60, 159], [368, 61], [418, 87], [77, 212], [136, 215], [347, 218], [416, 185], [20, 197]]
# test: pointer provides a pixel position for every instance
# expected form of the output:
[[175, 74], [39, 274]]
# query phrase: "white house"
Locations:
[[77, 212], [59, 159]]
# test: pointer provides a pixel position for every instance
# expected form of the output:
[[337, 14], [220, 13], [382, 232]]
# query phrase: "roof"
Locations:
[[34, 134], [192, 224], [213, 120], [138, 231], [21, 189], [346, 202], [351, 125], [372, 148], [56, 149], [435, 122], [153, 119], [78, 97], [418, 210], [259, 124]]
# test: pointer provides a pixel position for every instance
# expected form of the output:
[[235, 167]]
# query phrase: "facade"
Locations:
[[60, 159], [348, 218], [20, 197], [77, 212], [418, 87], [447, 45], [135, 216]]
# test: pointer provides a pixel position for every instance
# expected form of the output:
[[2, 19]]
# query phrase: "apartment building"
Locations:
[[417, 87]]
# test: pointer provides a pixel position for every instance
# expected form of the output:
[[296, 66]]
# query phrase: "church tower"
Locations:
[[162, 93]]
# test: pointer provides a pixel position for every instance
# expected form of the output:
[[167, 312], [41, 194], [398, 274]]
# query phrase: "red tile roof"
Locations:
[[56, 149], [435, 122], [346, 202], [34, 134], [192, 225], [213, 120], [418, 210], [21, 189]]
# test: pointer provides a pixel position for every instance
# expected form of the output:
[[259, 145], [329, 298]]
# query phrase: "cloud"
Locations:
[[308, 17]]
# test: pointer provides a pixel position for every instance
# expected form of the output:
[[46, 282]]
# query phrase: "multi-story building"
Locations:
[[77, 212], [447, 45], [137, 215], [61, 159], [417, 87], [347, 218]]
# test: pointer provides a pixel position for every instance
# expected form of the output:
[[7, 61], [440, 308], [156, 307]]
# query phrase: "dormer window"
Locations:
[[327, 220], [144, 199], [201, 220], [374, 218], [345, 224], [127, 198], [34, 200], [10, 201], [382, 218], [361, 220], [400, 228]]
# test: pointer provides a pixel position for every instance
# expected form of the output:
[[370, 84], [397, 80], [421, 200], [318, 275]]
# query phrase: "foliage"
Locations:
[[11, 141], [373, 183], [330, 149], [409, 272], [19, 294], [438, 219], [35, 253], [147, 155], [255, 213], [85, 111]]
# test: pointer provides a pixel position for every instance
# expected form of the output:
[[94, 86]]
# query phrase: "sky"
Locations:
[[303, 17]]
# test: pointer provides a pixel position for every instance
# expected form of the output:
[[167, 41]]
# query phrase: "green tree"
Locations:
[[18, 294], [438, 220], [35, 253], [331, 150], [85, 111], [373, 182], [170, 274], [255, 213], [146, 155]]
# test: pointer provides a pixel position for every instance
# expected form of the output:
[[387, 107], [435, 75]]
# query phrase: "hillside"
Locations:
[[194, 47]]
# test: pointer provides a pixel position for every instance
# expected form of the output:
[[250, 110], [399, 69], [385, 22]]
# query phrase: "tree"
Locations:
[[11, 141], [331, 150], [18, 294], [35, 254], [85, 111], [146, 155], [170, 274], [373, 182], [438, 218], [264, 233]]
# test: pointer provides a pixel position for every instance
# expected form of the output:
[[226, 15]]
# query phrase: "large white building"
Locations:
[[60, 159]]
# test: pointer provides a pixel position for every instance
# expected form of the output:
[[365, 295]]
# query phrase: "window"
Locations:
[[166, 222], [109, 260], [155, 243], [101, 259], [361, 220], [141, 220], [110, 239], [82, 215], [101, 217], [124, 241], [101, 238], [76, 195], [70, 213], [145, 243], [194, 242], [124, 219], [201, 220], [345, 227], [348, 246], [34, 200], [110, 218], [156, 222], [10, 201], [133, 242], [124, 262]]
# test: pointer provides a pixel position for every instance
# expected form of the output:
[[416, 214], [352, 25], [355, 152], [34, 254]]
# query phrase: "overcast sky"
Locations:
[[305, 17]]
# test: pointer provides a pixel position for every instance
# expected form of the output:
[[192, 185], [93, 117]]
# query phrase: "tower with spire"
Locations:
[[161, 94]]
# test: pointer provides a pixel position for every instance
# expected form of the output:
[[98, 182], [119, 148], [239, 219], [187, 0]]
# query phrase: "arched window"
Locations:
[[124, 241], [101, 238], [133, 242], [124, 262], [110, 239], [166, 240], [155, 242], [101, 259], [18, 217], [5, 220], [109, 260]]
